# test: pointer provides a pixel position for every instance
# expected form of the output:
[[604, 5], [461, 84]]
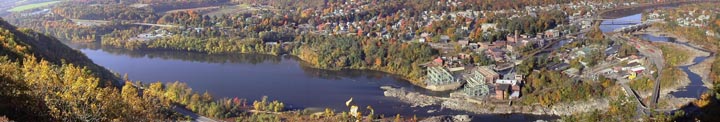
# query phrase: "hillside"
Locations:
[[41, 79], [23, 43]]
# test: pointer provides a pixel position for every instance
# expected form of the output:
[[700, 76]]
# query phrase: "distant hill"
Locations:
[[26, 42]]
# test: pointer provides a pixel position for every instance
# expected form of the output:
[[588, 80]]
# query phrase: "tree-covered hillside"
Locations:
[[18, 44], [41, 79]]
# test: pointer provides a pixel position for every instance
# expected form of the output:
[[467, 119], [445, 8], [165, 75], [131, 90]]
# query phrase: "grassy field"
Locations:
[[32, 6]]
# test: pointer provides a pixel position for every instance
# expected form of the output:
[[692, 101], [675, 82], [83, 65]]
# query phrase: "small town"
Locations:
[[359, 60]]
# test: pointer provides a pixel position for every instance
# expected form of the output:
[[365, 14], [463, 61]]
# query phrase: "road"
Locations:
[[195, 117], [654, 54], [100, 22], [183, 111], [159, 25], [642, 109]]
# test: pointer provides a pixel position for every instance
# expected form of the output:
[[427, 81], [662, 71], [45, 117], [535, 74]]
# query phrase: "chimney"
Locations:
[[516, 35]]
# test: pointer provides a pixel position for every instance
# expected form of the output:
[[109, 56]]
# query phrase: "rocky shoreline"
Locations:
[[668, 101], [494, 107], [700, 68], [703, 69], [694, 53]]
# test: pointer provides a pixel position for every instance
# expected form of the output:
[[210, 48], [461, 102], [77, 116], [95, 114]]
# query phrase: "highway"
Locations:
[[195, 117], [184, 111]]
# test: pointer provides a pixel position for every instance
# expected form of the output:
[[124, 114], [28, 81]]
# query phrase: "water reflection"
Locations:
[[280, 77], [196, 57]]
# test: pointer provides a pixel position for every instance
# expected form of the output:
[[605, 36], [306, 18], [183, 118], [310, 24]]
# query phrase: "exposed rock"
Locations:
[[693, 52], [446, 118], [413, 98], [489, 107], [580, 106]]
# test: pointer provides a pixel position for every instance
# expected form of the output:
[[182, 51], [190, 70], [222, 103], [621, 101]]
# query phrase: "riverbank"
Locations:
[[703, 69], [414, 81], [304, 61], [491, 106], [685, 54], [655, 31], [684, 50], [658, 32]]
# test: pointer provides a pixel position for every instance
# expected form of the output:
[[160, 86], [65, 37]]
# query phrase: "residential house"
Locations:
[[463, 43], [539, 35], [511, 38], [552, 33], [473, 46], [444, 39], [483, 45], [438, 61], [499, 43]]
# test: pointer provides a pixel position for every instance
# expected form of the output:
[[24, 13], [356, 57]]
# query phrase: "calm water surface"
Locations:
[[696, 86], [279, 77], [607, 26]]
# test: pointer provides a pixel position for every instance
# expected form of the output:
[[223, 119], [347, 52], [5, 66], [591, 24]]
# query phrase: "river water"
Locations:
[[609, 26], [282, 78], [286, 79], [696, 87]]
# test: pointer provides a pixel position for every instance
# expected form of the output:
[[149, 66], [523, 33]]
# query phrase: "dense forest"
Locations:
[[23, 43], [43, 80], [347, 52]]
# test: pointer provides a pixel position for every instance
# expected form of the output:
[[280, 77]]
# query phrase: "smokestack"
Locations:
[[516, 35]]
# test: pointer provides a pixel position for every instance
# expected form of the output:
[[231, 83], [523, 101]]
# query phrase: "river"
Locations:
[[282, 78], [696, 87]]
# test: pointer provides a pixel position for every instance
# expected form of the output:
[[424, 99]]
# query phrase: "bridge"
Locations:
[[617, 22], [634, 28]]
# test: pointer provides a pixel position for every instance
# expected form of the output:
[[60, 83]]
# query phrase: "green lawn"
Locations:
[[32, 6]]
